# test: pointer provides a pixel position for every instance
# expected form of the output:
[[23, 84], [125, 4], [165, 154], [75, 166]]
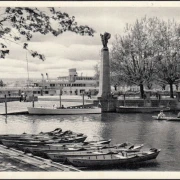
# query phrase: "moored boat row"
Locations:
[[70, 147]]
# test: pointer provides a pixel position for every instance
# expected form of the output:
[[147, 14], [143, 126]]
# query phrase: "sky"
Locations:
[[70, 50]]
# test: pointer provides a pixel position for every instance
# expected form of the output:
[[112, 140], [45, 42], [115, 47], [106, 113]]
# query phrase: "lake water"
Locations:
[[135, 128]]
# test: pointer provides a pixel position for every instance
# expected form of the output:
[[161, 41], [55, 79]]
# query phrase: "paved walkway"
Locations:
[[14, 160]]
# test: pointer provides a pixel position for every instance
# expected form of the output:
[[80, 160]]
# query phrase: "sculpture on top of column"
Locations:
[[105, 39]]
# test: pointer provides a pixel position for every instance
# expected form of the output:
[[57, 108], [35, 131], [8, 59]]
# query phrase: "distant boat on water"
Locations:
[[134, 109], [166, 118]]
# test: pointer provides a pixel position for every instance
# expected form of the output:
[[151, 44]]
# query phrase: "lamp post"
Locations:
[[5, 98], [70, 88], [42, 82], [47, 76], [27, 69], [33, 100]]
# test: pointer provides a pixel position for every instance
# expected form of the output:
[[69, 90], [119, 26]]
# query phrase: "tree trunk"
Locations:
[[163, 87], [171, 90], [141, 91], [177, 87]]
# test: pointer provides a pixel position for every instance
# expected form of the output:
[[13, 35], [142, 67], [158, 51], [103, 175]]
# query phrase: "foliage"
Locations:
[[133, 54], [167, 38], [17, 23], [148, 53]]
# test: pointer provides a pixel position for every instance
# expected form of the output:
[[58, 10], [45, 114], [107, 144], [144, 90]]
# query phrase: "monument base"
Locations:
[[107, 105]]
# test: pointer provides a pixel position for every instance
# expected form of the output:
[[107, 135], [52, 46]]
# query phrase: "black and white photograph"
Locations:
[[90, 87]]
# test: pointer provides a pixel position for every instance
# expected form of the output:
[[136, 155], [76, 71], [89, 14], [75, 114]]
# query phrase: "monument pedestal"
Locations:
[[107, 105]]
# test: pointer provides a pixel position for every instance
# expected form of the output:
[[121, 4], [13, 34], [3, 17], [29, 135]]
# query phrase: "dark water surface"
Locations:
[[135, 128]]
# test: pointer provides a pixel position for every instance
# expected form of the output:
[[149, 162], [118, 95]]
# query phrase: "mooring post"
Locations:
[[5, 104], [83, 99], [33, 100], [124, 99], [108, 104], [60, 98]]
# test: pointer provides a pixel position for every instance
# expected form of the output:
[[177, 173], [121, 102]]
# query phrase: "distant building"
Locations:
[[70, 85]]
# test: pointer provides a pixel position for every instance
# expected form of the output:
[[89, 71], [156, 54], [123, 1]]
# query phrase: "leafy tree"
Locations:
[[167, 37], [132, 55], [19, 22]]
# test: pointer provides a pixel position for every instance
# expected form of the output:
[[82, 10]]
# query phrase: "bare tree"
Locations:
[[133, 54], [167, 37]]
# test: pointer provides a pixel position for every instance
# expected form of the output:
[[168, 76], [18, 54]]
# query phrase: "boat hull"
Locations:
[[166, 118], [13, 143], [60, 146], [126, 109], [62, 156], [48, 111], [111, 160]]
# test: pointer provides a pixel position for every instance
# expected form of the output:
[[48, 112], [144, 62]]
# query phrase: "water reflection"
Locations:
[[135, 128], [153, 165]]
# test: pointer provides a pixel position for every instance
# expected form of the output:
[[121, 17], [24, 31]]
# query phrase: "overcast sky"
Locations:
[[70, 50]]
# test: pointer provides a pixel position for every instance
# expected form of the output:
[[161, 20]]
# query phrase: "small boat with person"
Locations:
[[168, 118], [162, 116]]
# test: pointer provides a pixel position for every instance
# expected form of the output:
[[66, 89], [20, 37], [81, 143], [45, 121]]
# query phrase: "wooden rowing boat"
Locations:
[[42, 151], [66, 137], [113, 159], [43, 136], [57, 131], [61, 156], [14, 143], [59, 146]]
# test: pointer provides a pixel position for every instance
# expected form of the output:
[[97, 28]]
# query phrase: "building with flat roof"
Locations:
[[70, 85]]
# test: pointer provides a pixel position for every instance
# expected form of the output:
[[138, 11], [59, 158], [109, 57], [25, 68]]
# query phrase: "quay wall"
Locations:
[[16, 98], [111, 104]]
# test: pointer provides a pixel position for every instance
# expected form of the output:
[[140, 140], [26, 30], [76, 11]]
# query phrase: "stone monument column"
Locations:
[[104, 81], [107, 102]]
